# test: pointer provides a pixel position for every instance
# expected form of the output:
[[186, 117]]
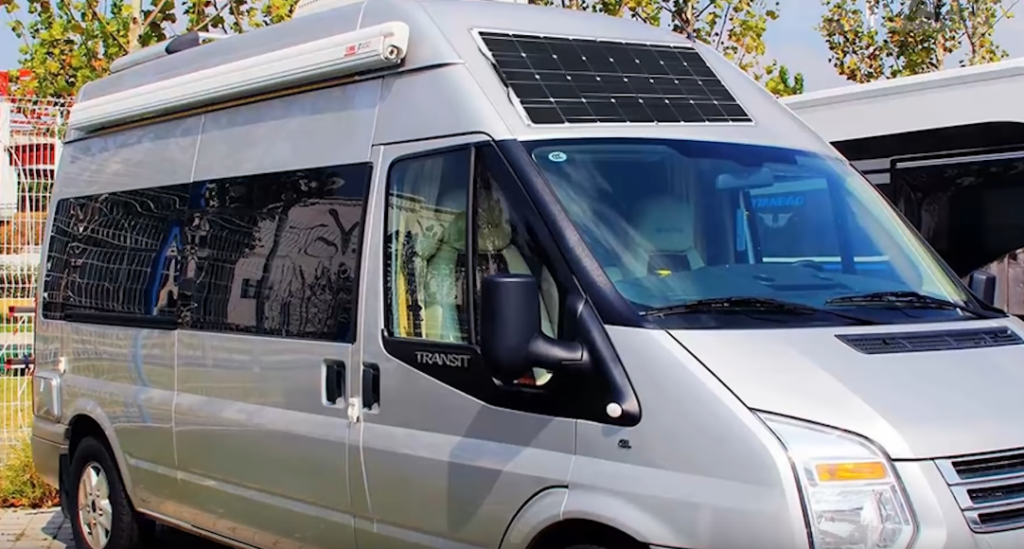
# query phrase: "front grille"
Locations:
[[989, 489]]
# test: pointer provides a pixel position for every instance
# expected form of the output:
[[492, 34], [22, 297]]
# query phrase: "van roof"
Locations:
[[441, 40], [943, 99]]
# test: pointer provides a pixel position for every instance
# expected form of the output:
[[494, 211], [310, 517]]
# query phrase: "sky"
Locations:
[[791, 39]]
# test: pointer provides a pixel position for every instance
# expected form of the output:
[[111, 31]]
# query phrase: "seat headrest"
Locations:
[[665, 223], [494, 228]]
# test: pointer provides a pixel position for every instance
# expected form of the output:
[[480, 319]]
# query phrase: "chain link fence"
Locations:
[[30, 132]]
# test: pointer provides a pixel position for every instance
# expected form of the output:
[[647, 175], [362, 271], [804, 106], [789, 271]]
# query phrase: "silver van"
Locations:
[[469, 274]]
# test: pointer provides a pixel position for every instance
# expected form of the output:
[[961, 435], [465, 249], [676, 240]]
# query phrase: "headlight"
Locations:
[[854, 499]]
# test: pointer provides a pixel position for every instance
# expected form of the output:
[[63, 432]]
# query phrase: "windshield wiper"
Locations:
[[899, 298], [747, 304]]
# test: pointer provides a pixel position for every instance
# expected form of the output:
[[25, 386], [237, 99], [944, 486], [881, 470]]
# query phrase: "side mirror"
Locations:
[[511, 340], [983, 285]]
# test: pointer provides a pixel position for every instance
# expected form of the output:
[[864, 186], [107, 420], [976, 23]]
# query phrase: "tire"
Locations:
[[101, 518]]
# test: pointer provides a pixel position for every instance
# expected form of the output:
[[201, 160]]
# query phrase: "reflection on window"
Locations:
[[273, 254], [674, 221], [116, 253], [276, 254]]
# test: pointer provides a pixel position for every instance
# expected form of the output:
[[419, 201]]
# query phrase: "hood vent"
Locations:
[[916, 342]]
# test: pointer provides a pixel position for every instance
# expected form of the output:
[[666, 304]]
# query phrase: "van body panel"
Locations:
[[129, 374], [544, 510], [258, 452], [964, 401], [312, 129], [441, 468], [686, 482], [454, 106], [140, 157]]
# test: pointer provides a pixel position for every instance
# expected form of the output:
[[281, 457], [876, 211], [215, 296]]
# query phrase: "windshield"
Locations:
[[672, 222]]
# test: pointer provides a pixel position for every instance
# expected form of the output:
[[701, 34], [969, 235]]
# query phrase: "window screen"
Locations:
[[585, 81]]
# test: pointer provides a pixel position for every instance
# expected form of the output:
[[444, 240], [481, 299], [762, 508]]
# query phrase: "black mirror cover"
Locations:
[[511, 340], [983, 285]]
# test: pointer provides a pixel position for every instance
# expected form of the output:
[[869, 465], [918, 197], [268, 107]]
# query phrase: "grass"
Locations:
[[20, 484]]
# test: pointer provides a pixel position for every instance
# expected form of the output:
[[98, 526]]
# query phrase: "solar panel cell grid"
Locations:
[[578, 81]]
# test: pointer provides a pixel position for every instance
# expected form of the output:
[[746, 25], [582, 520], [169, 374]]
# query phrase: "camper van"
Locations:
[[957, 174], [472, 274]]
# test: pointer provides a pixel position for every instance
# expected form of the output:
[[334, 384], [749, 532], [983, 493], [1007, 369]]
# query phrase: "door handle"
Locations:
[[334, 381], [371, 385]]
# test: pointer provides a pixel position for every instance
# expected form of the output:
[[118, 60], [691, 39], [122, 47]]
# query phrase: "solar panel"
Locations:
[[584, 81]]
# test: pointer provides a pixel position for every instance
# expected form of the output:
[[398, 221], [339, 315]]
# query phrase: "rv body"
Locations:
[[511, 276]]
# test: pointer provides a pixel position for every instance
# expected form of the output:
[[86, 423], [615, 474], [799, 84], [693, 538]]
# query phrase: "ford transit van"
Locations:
[[470, 274]]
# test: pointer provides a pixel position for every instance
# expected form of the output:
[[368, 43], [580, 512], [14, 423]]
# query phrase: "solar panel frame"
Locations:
[[558, 94]]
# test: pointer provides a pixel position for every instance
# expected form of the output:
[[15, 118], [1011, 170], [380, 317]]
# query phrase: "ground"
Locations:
[[48, 529]]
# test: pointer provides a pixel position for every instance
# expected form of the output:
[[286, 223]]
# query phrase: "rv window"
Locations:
[[277, 254], [274, 254], [117, 254]]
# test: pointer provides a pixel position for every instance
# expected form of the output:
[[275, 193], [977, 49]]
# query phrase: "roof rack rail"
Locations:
[[183, 42]]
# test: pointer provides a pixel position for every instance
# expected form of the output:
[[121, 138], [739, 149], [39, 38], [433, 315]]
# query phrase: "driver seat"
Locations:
[[665, 225]]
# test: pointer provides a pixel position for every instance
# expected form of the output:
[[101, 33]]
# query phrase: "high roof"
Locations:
[[985, 93], [447, 81]]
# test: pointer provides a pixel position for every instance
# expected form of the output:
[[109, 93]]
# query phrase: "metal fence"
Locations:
[[30, 131]]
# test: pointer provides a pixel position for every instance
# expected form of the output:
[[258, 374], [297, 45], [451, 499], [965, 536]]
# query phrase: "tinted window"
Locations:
[[117, 254], [276, 254]]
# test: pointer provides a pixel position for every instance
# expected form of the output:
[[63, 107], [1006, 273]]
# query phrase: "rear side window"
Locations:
[[270, 254]]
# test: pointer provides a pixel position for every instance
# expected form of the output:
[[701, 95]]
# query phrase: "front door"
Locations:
[[447, 455]]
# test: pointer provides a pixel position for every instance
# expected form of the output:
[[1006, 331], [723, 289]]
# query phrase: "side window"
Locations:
[[116, 254], [425, 246], [426, 256], [276, 254], [503, 243]]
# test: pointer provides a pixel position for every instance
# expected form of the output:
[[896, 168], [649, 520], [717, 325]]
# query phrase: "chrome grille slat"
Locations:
[[988, 488]]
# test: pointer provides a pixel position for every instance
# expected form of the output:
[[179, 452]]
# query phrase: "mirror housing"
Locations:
[[511, 340], [983, 285]]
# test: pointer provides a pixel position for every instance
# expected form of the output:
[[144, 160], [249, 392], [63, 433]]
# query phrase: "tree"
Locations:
[[67, 43], [734, 27], [874, 39]]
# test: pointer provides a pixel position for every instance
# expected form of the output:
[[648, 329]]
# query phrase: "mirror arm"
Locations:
[[559, 355]]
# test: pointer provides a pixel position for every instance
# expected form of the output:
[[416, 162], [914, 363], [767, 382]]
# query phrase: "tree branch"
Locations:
[[103, 21], [219, 11], [152, 16]]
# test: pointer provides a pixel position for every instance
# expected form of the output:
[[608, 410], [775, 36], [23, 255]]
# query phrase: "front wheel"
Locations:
[[101, 515]]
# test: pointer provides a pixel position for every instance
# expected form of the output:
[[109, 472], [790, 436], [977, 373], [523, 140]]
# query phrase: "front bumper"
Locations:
[[48, 447]]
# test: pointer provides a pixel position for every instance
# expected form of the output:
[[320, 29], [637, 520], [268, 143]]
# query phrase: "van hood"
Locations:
[[914, 404]]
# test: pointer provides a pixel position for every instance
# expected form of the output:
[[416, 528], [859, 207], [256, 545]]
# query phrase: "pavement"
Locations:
[[48, 529]]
